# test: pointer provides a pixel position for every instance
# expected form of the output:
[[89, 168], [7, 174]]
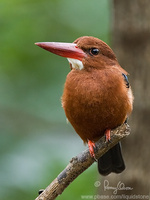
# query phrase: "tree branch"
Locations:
[[81, 162]]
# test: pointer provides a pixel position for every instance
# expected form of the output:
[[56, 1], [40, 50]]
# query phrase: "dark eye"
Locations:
[[94, 51]]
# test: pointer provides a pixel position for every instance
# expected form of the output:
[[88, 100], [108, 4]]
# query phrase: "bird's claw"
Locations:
[[107, 135], [91, 149]]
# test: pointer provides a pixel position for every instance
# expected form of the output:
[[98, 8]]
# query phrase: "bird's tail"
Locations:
[[111, 161]]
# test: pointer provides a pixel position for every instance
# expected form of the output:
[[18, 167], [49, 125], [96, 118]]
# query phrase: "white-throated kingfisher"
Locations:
[[97, 96]]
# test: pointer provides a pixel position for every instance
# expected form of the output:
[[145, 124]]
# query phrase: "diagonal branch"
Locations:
[[81, 162]]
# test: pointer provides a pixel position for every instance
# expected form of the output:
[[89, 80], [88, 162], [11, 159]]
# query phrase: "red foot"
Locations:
[[91, 149], [107, 134]]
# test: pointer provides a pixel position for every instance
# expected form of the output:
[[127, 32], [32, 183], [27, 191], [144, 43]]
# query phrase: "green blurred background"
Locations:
[[36, 143]]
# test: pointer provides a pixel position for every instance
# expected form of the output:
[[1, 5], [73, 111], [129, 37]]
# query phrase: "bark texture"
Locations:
[[81, 162]]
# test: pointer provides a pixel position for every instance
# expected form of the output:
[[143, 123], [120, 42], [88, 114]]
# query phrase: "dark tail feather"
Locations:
[[111, 161]]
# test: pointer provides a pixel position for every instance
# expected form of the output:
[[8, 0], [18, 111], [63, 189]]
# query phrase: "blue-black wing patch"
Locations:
[[126, 80]]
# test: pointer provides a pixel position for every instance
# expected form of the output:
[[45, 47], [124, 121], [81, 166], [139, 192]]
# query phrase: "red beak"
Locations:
[[68, 50]]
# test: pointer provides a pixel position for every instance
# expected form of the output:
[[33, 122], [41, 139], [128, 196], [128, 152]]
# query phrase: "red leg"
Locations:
[[107, 134], [91, 148]]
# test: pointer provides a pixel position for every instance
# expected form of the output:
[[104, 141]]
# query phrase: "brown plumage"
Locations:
[[96, 95]]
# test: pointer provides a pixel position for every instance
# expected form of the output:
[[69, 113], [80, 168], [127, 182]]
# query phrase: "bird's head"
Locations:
[[86, 53]]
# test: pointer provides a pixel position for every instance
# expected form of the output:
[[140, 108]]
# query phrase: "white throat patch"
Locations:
[[76, 64]]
